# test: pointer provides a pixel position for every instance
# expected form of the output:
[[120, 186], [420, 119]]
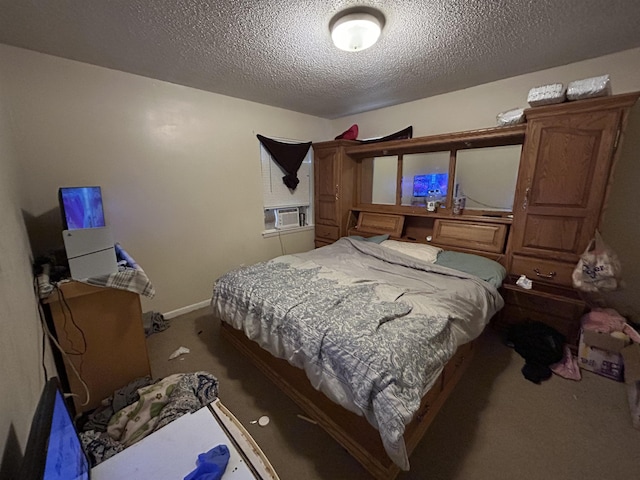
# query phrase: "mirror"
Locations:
[[379, 180], [424, 174], [487, 177]]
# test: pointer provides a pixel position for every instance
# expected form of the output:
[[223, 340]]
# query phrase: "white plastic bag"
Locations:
[[511, 117], [598, 269]]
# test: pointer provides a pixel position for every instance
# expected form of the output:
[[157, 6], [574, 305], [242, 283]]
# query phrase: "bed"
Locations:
[[368, 337]]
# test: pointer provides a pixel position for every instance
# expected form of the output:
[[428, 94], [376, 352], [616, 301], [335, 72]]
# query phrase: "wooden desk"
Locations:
[[113, 351]]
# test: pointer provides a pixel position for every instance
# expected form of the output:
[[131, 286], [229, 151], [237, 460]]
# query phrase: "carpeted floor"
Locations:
[[496, 425]]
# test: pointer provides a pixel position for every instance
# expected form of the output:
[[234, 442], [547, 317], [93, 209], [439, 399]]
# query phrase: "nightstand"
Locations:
[[560, 308]]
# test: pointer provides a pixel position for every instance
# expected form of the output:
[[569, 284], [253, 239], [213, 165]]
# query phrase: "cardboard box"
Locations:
[[600, 361], [631, 356], [605, 341]]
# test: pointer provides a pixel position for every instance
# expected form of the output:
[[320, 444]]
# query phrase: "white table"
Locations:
[[171, 452]]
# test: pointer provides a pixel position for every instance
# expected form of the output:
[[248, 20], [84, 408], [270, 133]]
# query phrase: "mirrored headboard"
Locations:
[[480, 165]]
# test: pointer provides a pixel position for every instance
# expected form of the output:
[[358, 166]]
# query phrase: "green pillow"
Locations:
[[376, 239], [485, 268]]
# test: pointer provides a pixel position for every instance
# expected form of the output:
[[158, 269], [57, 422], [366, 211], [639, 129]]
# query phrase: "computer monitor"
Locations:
[[81, 207], [432, 182], [54, 450]]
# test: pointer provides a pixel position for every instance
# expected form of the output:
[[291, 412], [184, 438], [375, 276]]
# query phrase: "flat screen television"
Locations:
[[54, 450], [81, 207], [432, 182]]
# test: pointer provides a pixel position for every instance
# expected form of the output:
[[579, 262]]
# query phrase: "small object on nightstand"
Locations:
[[524, 282]]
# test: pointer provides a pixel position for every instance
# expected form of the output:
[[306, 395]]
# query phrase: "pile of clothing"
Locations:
[[140, 408], [544, 351]]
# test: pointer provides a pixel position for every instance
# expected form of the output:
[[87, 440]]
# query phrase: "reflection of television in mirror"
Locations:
[[54, 450], [81, 207], [432, 182]]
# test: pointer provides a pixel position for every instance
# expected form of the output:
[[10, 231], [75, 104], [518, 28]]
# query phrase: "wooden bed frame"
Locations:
[[351, 431]]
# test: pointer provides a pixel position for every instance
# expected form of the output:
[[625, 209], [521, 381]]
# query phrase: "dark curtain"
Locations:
[[288, 156]]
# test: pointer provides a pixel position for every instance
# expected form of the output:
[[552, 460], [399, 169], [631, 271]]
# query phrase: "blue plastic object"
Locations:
[[211, 465]]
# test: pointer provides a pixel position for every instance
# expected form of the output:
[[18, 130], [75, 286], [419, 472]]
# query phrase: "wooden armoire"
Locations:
[[334, 177], [566, 169], [565, 174]]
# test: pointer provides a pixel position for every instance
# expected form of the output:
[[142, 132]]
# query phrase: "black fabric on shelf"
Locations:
[[288, 156], [403, 134]]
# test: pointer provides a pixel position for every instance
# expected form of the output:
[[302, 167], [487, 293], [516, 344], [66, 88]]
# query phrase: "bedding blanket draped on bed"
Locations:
[[372, 328]]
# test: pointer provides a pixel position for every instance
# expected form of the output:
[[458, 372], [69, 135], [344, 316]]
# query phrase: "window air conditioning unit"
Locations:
[[287, 218]]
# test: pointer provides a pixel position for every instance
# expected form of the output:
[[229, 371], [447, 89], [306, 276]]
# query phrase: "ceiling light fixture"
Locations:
[[355, 30]]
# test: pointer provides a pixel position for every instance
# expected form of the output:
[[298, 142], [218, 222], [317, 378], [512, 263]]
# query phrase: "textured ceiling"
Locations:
[[280, 52]]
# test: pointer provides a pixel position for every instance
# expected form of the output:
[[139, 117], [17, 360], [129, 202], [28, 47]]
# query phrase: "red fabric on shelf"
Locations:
[[350, 134]]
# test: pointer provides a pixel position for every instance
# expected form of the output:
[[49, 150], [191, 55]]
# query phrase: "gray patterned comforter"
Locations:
[[372, 328]]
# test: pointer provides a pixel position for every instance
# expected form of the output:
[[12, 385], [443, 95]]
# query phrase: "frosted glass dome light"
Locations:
[[356, 31]]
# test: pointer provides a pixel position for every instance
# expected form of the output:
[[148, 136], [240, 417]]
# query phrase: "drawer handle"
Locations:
[[542, 275], [424, 412]]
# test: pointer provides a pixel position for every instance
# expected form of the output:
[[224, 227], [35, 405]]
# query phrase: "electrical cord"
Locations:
[[480, 203], [44, 346], [71, 364], [63, 303], [65, 355], [44, 334]]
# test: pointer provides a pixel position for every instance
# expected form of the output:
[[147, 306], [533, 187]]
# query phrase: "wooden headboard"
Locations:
[[485, 236]]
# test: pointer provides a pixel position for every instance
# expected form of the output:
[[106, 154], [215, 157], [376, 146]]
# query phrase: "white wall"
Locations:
[[180, 173], [477, 107], [179, 168], [22, 375]]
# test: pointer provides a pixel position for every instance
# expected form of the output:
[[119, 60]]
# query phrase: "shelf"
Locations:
[[422, 212], [553, 292], [488, 137]]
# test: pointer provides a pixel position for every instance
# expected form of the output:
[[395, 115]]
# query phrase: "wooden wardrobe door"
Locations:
[[326, 186], [561, 186]]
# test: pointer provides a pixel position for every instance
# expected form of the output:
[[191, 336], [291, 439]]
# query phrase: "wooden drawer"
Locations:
[[321, 243], [456, 362], [327, 232], [532, 302], [428, 401], [380, 223], [569, 327], [558, 307], [542, 270], [487, 237]]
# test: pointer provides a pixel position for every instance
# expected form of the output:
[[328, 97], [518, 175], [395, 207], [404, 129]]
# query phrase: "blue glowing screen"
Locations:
[[82, 207], [65, 458], [436, 182]]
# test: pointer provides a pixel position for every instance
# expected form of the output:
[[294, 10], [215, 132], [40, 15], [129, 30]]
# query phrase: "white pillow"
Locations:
[[423, 252]]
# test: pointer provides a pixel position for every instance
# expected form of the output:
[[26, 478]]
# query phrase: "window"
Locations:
[[286, 209]]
